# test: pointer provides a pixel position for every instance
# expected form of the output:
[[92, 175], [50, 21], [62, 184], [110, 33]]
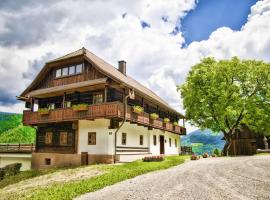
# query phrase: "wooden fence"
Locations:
[[17, 148]]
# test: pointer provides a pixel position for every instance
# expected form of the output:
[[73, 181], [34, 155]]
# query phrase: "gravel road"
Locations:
[[213, 178]]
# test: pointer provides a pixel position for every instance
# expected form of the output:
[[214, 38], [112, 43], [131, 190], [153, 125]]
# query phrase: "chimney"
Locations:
[[122, 67]]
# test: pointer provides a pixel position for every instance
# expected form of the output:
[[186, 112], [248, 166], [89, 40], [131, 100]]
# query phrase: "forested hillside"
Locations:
[[12, 130], [203, 141]]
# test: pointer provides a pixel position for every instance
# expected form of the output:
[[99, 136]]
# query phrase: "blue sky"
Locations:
[[212, 14]]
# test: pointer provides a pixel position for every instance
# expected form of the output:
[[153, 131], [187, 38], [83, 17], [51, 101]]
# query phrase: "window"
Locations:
[[65, 71], [170, 142], [124, 138], [141, 139], [155, 140], [48, 138], [92, 138], [47, 161], [63, 138], [79, 69], [51, 106], [67, 104], [97, 98], [71, 70], [175, 142], [58, 73]]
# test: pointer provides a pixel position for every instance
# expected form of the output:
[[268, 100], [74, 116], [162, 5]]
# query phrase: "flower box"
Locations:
[[137, 109], [166, 120], [154, 116], [80, 107], [43, 111]]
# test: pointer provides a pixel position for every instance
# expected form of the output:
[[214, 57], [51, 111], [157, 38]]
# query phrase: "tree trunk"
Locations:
[[226, 148]]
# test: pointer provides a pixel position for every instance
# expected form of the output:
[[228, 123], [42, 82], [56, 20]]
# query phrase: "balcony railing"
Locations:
[[17, 148], [104, 110]]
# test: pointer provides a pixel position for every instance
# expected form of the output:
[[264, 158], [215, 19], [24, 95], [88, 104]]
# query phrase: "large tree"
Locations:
[[222, 95]]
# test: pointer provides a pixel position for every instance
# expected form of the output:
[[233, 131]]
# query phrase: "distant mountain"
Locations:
[[13, 131], [203, 141]]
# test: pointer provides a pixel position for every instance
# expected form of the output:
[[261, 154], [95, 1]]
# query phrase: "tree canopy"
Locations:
[[222, 95]]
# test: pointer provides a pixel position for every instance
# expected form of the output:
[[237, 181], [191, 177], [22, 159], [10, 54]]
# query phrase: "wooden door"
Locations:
[[161, 142], [84, 158]]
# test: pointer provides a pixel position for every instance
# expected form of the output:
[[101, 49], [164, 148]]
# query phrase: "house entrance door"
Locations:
[[161, 142]]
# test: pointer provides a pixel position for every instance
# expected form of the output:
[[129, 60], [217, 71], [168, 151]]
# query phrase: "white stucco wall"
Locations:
[[133, 132], [10, 158], [155, 149], [105, 138]]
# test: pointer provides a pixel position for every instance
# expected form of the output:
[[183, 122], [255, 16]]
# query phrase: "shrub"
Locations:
[[43, 111], [194, 157], [80, 107], [205, 155], [10, 170], [154, 116], [137, 109], [153, 159], [217, 152], [166, 120]]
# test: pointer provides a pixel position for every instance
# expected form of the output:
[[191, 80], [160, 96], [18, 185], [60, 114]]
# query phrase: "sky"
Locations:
[[160, 40]]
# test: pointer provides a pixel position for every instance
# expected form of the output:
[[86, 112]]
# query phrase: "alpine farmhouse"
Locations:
[[86, 111]]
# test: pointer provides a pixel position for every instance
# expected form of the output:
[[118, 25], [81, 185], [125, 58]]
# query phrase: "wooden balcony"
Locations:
[[104, 110]]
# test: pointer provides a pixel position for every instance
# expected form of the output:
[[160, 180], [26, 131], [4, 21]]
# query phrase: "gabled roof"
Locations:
[[108, 70]]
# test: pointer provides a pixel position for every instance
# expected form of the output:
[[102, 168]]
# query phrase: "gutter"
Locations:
[[122, 123]]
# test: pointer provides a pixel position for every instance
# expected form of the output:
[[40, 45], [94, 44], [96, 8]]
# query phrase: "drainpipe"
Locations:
[[122, 123]]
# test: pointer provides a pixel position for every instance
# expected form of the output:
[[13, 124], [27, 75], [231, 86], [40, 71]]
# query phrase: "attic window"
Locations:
[[68, 71], [58, 73], [78, 68]]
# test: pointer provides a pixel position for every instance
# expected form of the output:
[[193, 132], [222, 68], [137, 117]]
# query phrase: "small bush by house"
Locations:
[[194, 157], [205, 155], [10, 170], [153, 159], [217, 153]]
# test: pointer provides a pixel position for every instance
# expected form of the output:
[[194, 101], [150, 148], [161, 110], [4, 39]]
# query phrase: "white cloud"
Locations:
[[153, 55]]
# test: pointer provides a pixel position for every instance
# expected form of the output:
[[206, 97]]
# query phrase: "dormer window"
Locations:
[[68, 71]]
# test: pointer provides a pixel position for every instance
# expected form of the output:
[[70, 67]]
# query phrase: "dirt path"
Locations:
[[213, 178]]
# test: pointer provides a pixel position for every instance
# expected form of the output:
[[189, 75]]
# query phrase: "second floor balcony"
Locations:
[[107, 110]]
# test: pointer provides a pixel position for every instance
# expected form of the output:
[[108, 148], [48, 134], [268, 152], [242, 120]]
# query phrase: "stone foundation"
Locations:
[[97, 158], [49, 160]]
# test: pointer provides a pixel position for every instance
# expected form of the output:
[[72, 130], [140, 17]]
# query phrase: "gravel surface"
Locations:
[[212, 178]]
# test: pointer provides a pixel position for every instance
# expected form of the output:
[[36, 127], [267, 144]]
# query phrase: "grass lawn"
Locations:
[[112, 175], [262, 154], [23, 176]]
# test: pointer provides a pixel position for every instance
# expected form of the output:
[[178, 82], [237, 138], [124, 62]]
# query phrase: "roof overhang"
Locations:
[[80, 86]]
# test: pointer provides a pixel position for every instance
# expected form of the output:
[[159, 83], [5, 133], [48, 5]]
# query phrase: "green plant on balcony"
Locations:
[[80, 107], [137, 109], [154, 116], [166, 120], [175, 123], [43, 111]]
